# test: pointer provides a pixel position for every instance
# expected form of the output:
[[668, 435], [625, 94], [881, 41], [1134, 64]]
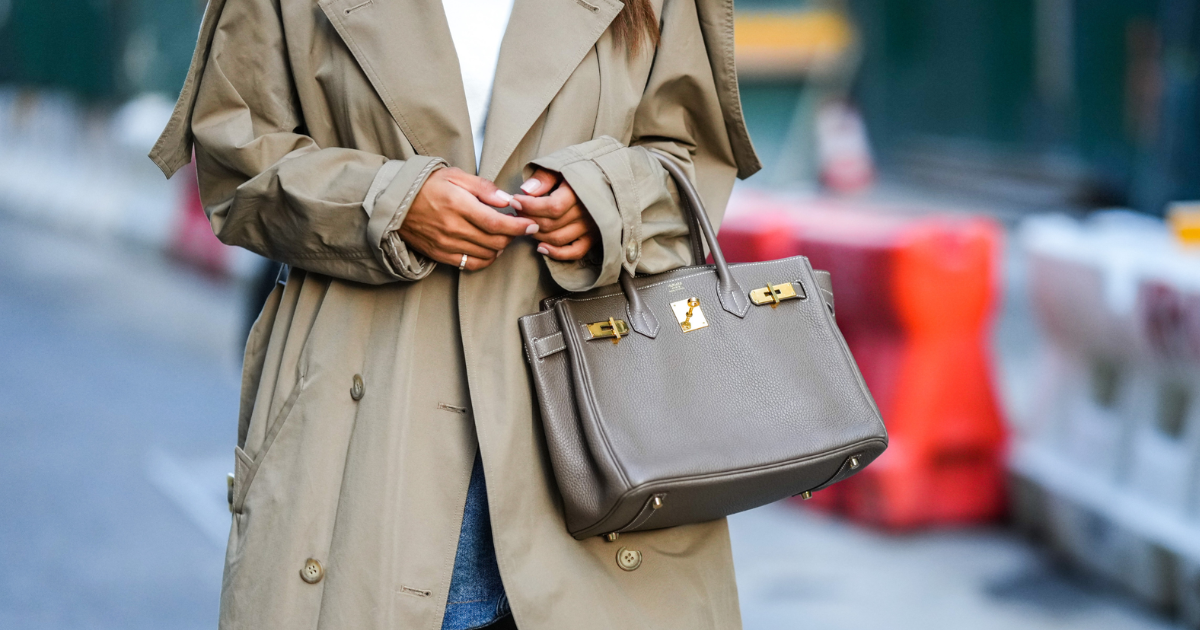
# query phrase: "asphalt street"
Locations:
[[119, 377]]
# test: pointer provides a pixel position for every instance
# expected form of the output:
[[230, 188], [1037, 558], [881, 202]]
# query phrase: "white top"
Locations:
[[477, 27]]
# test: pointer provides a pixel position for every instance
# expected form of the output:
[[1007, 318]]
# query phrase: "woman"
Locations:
[[336, 137]]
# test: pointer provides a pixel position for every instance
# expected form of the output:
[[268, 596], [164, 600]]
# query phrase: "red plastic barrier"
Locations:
[[914, 298]]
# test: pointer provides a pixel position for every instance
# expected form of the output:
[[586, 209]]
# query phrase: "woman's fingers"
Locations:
[[480, 188], [473, 263], [492, 222], [479, 245], [573, 251], [564, 235], [552, 206], [541, 183], [573, 215], [454, 241]]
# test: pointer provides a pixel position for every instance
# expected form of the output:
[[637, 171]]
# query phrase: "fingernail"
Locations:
[[505, 197], [543, 251], [516, 205], [499, 252], [531, 185], [532, 229]]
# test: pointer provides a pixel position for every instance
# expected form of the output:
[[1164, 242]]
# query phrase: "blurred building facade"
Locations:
[[1063, 102]]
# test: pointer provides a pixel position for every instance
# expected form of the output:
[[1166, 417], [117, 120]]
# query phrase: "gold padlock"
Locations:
[[689, 314], [687, 319]]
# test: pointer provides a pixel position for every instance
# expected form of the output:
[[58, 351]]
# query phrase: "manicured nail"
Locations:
[[516, 205], [543, 251], [532, 229], [499, 252], [505, 197], [531, 185]]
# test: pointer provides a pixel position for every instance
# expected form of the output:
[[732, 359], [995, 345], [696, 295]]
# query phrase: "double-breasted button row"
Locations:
[[357, 389]]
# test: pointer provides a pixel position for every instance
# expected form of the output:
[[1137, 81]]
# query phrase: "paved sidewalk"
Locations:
[[800, 570]]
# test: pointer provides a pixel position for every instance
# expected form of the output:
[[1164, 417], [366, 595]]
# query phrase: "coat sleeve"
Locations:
[[690, 111], [267, 186]]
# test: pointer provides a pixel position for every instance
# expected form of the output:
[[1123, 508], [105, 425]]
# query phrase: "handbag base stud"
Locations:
[[806, 495], [612, 536], [854, 463]]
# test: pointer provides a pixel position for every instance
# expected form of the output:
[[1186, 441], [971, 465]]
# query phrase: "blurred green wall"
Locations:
[[959, 68], [1112, 83], [98, 49]]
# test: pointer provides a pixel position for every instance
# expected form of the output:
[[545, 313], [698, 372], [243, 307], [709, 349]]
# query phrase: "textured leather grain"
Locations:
[[763, 403]]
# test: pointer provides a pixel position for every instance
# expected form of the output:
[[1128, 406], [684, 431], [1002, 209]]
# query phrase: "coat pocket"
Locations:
[[246, 467]]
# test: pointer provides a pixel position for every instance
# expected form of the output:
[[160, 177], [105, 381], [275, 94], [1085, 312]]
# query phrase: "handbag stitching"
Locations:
[[589, 400], [707, 269], [551, 302], [644, 515], [847, 357], [541, 354], [764, 467]]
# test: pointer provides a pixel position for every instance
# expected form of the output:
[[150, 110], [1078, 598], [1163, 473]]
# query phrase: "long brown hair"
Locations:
[[635, 26]]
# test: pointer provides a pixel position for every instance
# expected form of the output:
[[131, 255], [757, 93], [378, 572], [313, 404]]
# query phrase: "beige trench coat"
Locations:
[[314, 125]]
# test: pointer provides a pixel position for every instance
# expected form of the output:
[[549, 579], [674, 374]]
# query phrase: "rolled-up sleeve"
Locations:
[[633, 202], [269, 187], [387, 203], [628, 193]]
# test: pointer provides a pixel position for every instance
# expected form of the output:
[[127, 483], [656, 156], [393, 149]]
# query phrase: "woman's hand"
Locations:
[[565, 228], [454, 214]]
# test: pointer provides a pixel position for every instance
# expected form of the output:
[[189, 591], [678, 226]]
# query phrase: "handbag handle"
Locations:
[[733, 299]]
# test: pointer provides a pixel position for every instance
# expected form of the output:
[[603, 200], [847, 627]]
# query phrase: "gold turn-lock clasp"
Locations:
[[689, 314], [612, 329], [774, 294]]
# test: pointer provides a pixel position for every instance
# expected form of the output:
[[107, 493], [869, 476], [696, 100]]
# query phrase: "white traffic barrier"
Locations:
[[1109, 461]]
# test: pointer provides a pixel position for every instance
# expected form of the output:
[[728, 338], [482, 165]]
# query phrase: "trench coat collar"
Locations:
[[545, 41], [405, 49]]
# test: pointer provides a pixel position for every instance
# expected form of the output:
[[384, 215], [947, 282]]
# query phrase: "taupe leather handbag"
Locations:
[[689, 395]]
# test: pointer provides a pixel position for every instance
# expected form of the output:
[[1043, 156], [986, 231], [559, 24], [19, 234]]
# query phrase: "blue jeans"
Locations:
[[476, 593]]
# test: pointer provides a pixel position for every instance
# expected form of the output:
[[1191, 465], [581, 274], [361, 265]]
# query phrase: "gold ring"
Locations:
[[463, 265]]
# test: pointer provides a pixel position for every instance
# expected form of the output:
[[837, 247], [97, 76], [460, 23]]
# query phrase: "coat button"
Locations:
[[629, 559], [631, 252], [356, 388], [312, 571]]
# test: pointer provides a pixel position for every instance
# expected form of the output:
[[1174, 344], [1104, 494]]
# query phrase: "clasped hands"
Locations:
[[454, 213]]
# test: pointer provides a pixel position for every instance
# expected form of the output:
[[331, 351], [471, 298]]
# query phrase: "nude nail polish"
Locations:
[[532, 229], [543, 251], [505, 197], [531, 185]]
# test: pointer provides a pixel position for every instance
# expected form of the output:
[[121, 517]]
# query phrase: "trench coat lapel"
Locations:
[[545, 41], [406, 51]]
